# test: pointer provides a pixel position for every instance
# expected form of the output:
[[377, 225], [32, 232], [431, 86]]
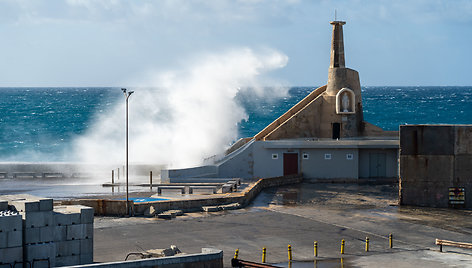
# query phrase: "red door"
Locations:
[[290, 164]]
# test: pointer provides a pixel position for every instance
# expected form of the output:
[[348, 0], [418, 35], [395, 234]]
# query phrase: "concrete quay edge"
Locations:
[[104, 207]]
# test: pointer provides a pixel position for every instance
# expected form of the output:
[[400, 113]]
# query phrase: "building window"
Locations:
[[327, 156], [306, 156], [349, 156], [275, 156]]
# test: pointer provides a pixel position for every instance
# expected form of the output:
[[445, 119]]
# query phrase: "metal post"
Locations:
[[150, 180], [127, 186], [342, 246], [264, 251], [236, 253], [118, 174], [315, 248], [366, 244], [390, 240], [289, 252], [127, 192], [112, 177]]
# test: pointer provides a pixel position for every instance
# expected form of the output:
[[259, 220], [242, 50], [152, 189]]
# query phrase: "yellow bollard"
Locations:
[[366, 244], [264, 251], [236, 253], [390, 240], [289, 252], [342, 246], [315, 248]]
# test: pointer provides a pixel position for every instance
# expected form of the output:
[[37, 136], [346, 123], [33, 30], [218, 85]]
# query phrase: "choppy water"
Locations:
[[46, 120]]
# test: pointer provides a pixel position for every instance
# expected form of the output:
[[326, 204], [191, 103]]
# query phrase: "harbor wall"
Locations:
[[435, 165], [60, 170]]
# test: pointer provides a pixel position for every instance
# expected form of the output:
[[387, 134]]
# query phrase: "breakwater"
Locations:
[[60, 170]]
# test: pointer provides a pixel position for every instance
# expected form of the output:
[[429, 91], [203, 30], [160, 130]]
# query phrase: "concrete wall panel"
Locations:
[[266, 166], [240, 164], [463, 140], [423, 140], [463, 169], [426, 168], [425, 194], [317, 167]]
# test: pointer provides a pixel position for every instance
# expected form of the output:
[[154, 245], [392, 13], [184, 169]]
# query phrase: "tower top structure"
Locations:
[[337, 45]]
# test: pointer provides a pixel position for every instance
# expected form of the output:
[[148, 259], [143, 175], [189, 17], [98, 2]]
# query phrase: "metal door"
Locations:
[[378, 165], [290, 164]]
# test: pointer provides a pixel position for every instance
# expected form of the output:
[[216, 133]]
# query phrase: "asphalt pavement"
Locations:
[[299, 215]]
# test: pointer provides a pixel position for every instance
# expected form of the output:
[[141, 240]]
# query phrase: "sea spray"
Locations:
[[185, 115]]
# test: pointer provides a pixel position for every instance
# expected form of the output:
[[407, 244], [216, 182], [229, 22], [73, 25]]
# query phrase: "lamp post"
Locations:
[[127, 94]]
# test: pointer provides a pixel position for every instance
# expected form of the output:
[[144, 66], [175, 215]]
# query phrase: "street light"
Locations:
[[127, 94]]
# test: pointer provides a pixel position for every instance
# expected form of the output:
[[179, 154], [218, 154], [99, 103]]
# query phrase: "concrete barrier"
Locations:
[[181, 188], [199, 180], [53, 175], [209, 258], [24, 175], [206, 189]]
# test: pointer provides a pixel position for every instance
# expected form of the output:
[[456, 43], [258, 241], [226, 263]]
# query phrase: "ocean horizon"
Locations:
[[41, 124]]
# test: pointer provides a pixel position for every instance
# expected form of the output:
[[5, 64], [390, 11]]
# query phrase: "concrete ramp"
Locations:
[[224, 167], [290, 113]]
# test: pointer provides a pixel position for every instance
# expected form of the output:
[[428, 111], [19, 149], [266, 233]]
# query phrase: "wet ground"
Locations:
[[66, 188], [380, 201], [299, 215]]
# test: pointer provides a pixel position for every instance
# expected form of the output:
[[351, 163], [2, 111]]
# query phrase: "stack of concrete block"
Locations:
[[33, 233], [170, 214], [38, 230], [74, 235], [11, 236]]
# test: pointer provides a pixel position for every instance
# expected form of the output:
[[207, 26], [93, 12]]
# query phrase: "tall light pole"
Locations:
[[127, 94]]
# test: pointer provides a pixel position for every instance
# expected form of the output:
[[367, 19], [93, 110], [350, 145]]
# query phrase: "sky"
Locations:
[[115, 43]]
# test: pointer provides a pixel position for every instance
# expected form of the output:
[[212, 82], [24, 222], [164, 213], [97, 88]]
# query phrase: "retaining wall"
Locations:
[[117, 208], [209, 258]]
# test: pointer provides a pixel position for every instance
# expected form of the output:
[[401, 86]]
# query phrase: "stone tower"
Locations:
[[332, 111], [345, 85]]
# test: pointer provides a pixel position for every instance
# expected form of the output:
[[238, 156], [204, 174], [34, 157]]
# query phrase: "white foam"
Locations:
[[186, 115]]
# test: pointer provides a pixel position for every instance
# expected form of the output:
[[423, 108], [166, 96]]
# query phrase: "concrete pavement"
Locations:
[[298, 215]]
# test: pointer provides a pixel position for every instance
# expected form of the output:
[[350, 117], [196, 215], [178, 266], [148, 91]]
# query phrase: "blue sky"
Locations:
[[111, 42]]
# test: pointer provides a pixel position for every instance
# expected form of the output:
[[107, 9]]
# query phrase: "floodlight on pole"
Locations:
[[127, 95]]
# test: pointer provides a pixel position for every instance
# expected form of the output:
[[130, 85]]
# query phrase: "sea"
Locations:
[[47, 120]]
